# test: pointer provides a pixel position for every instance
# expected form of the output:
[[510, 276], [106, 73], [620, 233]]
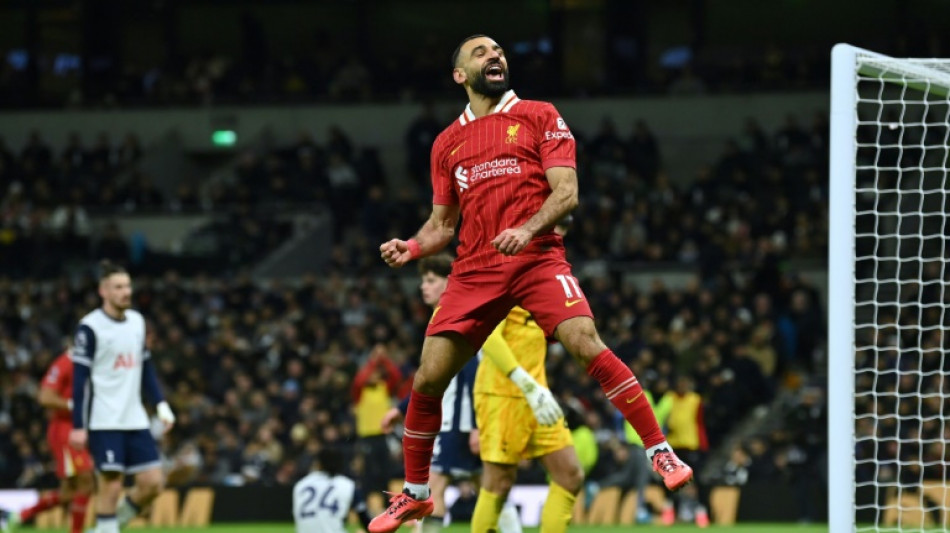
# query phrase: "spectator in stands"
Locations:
[[686, 432], [687, 83], [419, 138], [36, 152], [70, 226], [111, 245], [142, 194], [643, 153], [373, 391], [352, 81], [736, 471], [129, 152]]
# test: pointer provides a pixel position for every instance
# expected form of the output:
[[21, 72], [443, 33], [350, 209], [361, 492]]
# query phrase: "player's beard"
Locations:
[[491, 89], [122, 304]]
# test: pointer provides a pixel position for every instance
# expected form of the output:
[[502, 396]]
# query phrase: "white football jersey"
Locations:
[[322, 503], [114, 351]]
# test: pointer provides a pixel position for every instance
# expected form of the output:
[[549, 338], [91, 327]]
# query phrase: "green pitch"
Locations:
[[463, 528]]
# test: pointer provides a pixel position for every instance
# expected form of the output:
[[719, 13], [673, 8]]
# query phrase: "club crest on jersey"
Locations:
[[512, 134]]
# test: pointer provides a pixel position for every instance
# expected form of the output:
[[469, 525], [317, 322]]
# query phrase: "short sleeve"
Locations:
[[54, 376], [557, 141], [443, 191], [84, 346]]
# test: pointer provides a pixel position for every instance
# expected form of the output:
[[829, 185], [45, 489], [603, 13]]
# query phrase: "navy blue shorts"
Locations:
[[128, 451], [452, 456]]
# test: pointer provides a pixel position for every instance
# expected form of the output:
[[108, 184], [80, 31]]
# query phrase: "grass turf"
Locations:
[[462, 528]]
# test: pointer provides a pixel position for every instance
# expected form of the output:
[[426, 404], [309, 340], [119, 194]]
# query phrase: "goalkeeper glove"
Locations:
[[542, 402]]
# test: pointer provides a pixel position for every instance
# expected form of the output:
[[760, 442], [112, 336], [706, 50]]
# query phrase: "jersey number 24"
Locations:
[[309, 511]]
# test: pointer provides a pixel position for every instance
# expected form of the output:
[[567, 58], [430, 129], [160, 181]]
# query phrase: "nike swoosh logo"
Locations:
[[406, 514], [631, 400], [570, 303], [457, 148]]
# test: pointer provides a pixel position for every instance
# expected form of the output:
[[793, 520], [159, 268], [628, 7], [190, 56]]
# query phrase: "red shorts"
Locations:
[[474, 302], [69, 461]]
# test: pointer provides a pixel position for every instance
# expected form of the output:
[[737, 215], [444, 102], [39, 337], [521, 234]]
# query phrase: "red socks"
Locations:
[[623, 390], [423, 420], [47, 500], [78, 513]]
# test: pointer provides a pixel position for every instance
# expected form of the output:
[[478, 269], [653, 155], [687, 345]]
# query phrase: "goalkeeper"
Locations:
[[512, 429]]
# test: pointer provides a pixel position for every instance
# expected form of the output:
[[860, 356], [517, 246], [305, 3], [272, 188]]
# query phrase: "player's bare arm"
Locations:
[[563, 200], [78, 438], [433, 236], [49, 399]]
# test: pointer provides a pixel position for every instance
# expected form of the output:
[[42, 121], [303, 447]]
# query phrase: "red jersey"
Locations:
[[59, 377], [493, 167]]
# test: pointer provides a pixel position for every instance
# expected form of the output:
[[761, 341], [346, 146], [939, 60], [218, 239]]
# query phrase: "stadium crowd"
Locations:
[[323, 71], [262, 374]]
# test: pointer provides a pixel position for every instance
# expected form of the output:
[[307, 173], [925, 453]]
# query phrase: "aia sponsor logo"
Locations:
[[124, 361]]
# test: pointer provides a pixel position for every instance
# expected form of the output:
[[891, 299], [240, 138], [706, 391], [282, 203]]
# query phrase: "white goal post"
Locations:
[[889, 294]]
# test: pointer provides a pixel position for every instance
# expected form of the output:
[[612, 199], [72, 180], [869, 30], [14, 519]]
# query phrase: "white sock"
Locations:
[[126, 512], [432, 524], [419, 491], [661, 446], [107, 524], [509, 521]]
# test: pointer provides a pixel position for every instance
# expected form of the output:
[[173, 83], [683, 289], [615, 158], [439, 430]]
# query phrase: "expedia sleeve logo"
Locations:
[[561, 133]]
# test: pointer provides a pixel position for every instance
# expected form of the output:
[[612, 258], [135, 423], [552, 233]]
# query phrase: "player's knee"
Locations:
[[150, 484], [581, 340], [569, 476], [573, 479], [111, 488], [429, 385], [500, 485]]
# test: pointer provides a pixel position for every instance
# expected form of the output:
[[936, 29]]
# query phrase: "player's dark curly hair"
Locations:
[[108, 268], [438, 264], [458, 49]]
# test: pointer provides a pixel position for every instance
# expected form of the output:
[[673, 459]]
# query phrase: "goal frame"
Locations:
[[843, 149], [841, 256]]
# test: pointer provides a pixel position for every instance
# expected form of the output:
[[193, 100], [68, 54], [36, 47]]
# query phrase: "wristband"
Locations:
[[69, 404], [414, 249]]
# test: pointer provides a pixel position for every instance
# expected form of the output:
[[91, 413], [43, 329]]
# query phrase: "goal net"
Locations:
[[889, 288]]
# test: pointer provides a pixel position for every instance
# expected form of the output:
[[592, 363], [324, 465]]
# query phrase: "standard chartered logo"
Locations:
[[502, 166]]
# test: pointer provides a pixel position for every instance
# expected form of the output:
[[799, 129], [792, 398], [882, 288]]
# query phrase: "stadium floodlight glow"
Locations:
[[888, 293], [224, 137]]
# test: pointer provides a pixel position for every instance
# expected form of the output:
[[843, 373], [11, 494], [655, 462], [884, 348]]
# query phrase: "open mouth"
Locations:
[[494, 72]]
